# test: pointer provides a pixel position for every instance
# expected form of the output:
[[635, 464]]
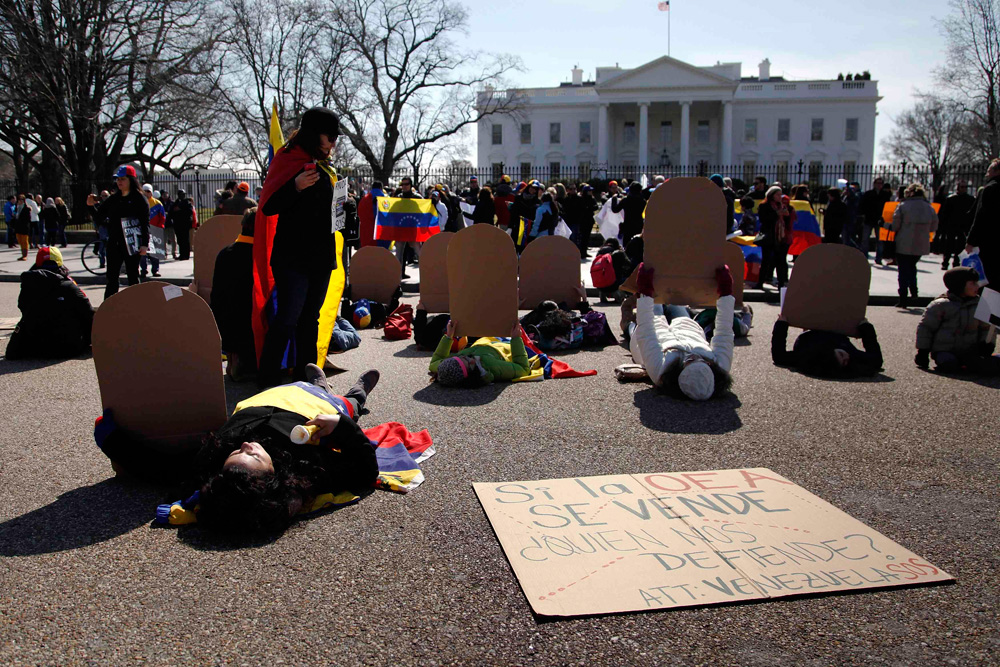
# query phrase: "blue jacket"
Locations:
[[8, 212]]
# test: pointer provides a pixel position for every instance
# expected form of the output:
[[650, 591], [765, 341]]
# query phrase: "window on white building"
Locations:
[[784, 129], [525, 171], [525, 133], [666, 133], [851, 131], [555, 133], [704, 133], [497, 134], [817, 130], [630, 136], [782, 169], [584, 131], [554, 168], [750, 131]]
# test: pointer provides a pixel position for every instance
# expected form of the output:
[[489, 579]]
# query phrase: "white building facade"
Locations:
[[668, 113]]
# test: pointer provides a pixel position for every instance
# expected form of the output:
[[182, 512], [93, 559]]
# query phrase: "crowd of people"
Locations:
[[251, 477]]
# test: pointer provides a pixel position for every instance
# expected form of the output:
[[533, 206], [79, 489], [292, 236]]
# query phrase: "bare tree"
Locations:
[[971, 74], [399, 69], [80, 75], [932, 132]]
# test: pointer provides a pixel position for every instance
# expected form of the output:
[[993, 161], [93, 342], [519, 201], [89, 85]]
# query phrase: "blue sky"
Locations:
[[898, 42]]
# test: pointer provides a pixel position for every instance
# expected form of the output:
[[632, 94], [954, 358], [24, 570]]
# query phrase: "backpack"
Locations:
[[570, 341], [397, 325], [602, 271]]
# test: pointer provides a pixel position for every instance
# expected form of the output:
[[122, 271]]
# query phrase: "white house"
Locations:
[[670, 113]]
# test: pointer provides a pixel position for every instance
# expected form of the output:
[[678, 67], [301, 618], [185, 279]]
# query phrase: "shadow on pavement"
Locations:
[[981, 380], [413, 352], [661, 412], [12, 366], [435, 394], [81, 517]]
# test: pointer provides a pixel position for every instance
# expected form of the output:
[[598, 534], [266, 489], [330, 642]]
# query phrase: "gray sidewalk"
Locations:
[[883, 285]]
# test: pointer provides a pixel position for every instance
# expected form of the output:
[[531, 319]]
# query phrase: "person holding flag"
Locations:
[[295, 250]]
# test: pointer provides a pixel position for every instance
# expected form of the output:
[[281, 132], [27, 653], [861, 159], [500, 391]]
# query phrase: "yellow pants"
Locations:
[[22, 240]]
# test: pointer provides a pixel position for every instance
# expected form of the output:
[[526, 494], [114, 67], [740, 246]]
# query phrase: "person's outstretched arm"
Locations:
[[647, 342], [442, 352], [871, 358]]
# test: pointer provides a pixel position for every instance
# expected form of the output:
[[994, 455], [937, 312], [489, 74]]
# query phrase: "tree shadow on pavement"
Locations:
[[79, 518], [435, 394], [12, 366], [662, 412]]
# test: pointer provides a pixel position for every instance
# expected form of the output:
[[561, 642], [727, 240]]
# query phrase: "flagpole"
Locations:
[[668, 32]]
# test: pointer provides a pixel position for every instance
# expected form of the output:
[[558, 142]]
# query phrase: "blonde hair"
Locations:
[[914, 190], [60, 202]]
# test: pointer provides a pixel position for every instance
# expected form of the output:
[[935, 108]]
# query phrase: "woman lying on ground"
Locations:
[[254, 478], [825, 353], [672, 347], [486, 360]]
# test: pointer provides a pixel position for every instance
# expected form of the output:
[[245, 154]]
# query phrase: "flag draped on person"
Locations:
[[399, 219], [284, 164], [467, 211], [805, 231], [609, 221]]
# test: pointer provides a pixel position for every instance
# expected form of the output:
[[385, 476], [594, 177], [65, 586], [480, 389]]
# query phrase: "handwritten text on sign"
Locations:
[[594, 545]]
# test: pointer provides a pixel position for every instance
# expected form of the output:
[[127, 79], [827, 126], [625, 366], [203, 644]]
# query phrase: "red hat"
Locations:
[[612, 182], [125, 170], [243, 187]]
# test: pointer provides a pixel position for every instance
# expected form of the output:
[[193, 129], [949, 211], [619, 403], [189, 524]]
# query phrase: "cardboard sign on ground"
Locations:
[[217, 233], [434, 272], [157, 352], [375, 274], [734, 259], [482, 281], [683, 240], [550, 270], [828, 289], [618, 543]]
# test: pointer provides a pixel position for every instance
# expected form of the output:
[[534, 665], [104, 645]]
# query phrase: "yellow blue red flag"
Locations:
[[401, 219], [276, 138]]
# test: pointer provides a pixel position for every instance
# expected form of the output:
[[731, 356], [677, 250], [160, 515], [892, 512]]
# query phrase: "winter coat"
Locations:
[[813, 342], [956, 213], [63, 215], [56, 316], [133, 207], [484, 212], [523, 207], [238, 204], [657, 345], [770, 222], [502, 361], [834, 219], [949, 325], [22, 221], [913, 221], [303, 237], [633, 206], [872, 203], [181, 215], [985, 232], [366, 217]]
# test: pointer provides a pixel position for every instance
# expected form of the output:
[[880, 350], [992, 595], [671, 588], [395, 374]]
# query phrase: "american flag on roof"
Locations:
[[664, 6]]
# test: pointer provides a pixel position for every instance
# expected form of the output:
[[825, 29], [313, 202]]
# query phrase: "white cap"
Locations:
[[156, 194], [147, 188], [841, 183], [697, 381]]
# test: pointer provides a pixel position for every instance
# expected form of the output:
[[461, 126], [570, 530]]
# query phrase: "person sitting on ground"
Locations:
[[949, 332], [255, 479], [483, 362], [825, 353], [232, 300], [56, 316], [672, 347], [621, 265]]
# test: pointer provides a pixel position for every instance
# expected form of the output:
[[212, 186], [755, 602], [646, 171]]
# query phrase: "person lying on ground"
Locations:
[[483, 362], [427, 332], [742, 321], [949, 332], [56, 316], [826, 353], [672, 348]]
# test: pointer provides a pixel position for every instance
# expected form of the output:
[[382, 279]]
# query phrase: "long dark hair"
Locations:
[[236, 500], [308, 141], [133, 187]]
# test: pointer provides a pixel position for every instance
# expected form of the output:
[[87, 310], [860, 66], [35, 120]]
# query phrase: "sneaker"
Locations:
[[156, 274], [369, 379], [315, 375]]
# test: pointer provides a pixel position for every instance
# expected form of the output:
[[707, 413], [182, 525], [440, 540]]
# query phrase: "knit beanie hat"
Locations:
[[320, 120], [48, 253], [697, 382], [956, 278], [717, 179], [453, 371]]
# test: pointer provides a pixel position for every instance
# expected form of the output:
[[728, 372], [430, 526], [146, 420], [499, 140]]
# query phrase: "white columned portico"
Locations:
[[643, 133], [602, 134], [685, 133], [727, 133]]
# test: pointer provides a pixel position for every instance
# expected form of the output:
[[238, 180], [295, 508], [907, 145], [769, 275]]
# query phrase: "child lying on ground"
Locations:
[[672, 347], [825, 353], [949, 332], [486, 360]]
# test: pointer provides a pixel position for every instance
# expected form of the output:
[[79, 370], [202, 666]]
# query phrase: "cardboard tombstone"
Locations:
[[213, 236], [733, 256], [684, 241], [434, 272], [375, 274], [828, 289], [482, 280], [550, 269], [157, 332]]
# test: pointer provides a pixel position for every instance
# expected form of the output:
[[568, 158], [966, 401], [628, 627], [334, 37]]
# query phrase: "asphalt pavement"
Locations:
[[420, 579]]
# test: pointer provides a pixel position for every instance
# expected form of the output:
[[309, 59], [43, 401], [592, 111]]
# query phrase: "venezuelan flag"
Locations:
[[806, 231], [401, 220], [276, 138], [157, 217]]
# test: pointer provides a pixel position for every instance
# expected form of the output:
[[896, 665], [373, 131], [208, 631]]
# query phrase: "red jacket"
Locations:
[[366, 219]]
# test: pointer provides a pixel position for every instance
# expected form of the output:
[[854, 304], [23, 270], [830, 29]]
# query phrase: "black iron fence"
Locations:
[[203, 187]]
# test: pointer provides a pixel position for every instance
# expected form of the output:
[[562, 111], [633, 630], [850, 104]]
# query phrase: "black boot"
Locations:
[[903, 301], [315, 375], [368, 380]]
